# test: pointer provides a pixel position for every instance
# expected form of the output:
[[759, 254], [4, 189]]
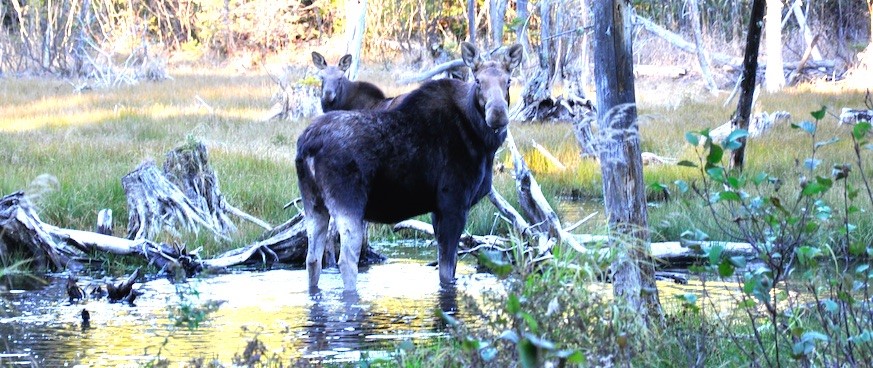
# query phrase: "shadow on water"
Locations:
[[396, 301]]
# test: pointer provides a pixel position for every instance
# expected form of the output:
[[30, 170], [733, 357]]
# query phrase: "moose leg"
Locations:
[[352, 233], [317, 219], [448, 228]]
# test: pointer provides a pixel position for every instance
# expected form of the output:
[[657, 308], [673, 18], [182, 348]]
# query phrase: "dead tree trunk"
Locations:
[[702, 55], [188, 168], [740, 119], [620, 157], [186, 194], [155, 204]]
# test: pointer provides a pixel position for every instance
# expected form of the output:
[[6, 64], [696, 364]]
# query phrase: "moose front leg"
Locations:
[[447, 229]]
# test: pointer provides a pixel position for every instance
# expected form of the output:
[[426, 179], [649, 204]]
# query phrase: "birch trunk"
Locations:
[[774, 75]]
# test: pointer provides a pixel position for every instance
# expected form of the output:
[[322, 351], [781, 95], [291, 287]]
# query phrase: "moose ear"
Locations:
[[470, 55], [318, 60], [345, 62], [512, 58]]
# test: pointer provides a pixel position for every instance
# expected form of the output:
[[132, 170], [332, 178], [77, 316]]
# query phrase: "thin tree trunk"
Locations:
[[740, 119], [702, 55], [870, 12], [621, 157], [471, 21], [804, 27], [774, 75], [356, 18], [521, 28], [498, 16]]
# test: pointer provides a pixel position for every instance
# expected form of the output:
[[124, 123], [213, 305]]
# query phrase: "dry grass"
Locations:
[[88, 141]]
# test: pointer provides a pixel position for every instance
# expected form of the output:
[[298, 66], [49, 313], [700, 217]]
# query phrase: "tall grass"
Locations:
[[87, 141]]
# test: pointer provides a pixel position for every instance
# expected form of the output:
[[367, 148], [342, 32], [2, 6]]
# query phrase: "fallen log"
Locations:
[[853, 116], [760, 124]]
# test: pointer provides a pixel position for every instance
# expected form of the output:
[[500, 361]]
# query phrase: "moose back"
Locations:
[[432, 153]]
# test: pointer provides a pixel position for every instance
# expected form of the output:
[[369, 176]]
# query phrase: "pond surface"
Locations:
[[397, 301]]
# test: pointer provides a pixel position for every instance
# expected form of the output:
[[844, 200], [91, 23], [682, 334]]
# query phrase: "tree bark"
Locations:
[[797, 8], [620, 157], [774, 75], [471, 21], [521, 29], [498, 19], [356, 20], [740, 119], [702, 54]]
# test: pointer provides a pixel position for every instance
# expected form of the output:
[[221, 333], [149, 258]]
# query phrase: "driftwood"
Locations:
[[293, 100], [853, 116], [663, 71], [730, 63], [760, 124]]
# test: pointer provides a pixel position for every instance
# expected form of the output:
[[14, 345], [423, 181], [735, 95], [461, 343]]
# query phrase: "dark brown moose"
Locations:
[[340, 93], [432, 153]]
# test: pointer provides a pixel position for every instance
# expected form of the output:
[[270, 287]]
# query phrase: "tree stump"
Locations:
[[154, 204], [188, 168]]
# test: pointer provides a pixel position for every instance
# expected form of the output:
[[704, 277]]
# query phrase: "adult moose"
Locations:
[[432, 153], [340, 93]]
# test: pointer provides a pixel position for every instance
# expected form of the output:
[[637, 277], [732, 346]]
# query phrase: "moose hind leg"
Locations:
[[352, 233], [316, 229]]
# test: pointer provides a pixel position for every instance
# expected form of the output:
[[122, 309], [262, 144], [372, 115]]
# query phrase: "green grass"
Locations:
[[88, 141]]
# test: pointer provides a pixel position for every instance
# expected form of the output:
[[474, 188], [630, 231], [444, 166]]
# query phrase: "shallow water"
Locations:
[[396, 301]]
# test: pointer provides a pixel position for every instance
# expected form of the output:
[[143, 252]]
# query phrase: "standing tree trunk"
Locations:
[[621, 158], [740, 119], [702, 55], [774, 75], [471, 20], [521, 27], [870, 12], [807, 33], [498, 15], [356, 20]]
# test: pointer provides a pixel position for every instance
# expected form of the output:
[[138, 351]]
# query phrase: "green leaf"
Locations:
[[738, 261], [692, 138], [817, 187], [686, 163], [811, 163], [830, 305], [494, 262], [716, 173], [539, 342], [572, 356], [729, 196], [530, 321], [732, 141], [860, 130], [714, 254], [820, 114], [715, 154], [806, 126], [760, 178], [682, 186], [725, 268], [528, 355], [513, 304]]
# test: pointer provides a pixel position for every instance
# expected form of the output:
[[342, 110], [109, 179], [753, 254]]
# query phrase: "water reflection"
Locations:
[[396, 302]]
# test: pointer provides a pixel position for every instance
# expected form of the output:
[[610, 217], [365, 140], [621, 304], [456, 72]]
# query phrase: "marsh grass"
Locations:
[[86, 142]]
